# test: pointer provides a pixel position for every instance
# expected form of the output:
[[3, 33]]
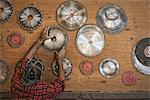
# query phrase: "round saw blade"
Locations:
[[57, 38], [30, 17], [66, 65], [109, 68], [5, 10], [141, 56], [90, 40], [111, 18], [71, 15], [3, 72]]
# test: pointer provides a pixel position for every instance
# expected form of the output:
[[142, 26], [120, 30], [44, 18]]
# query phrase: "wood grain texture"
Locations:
[[116, 46]]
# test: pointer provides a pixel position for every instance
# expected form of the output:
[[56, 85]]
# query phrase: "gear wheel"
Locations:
[[111, 18], [90, 40], [71, 15], [5, 10], [30, 18], [3, 72], [141, 56], [66, 65], [57, 38]]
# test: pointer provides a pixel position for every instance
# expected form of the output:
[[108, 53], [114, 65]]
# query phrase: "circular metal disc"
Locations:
[[109, 68], [30, 18], [90, 40], [33, 71], [66, 65], [111, 18], [57, 38], [71, 15], [15, 40], [3, 72], [87, 67], [5, 10], [129, 78], [140, 56]]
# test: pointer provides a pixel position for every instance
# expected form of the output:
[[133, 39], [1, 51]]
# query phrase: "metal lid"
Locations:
[[109, 68], [30, 17], [5, 10], [140, 56], [129, 78], [57, 38], [66, 65], [87, 67], [3, 72], [111, 18], [90, 40], [33, 72], [71, 15], [15, 39]]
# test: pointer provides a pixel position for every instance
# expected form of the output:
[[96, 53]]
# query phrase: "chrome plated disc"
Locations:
[[109, 68], [90, 40], [57, 38], [141, 56], [5, 10], [30, 18], [111, 18], [3, 72], [71, 15], [66, 65]]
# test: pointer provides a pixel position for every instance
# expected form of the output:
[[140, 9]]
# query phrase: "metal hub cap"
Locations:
[[109, 68], [66, 65], [71, 15], [57, 38], [5, 10], [30, 18], [3, 72], [90, 40], [111, 19], [140, 56], [15, 40], [87, 67]]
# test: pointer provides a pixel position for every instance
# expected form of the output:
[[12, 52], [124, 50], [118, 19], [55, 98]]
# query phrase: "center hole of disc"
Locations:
[[147, 51], [90, 42], [30, 17], [53, 39], [1, 10]]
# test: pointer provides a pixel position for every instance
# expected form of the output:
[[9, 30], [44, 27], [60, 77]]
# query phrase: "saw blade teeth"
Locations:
[[5, 10], [57, 38], [71, 15], [30, 18], [90, 40], [141, 61]]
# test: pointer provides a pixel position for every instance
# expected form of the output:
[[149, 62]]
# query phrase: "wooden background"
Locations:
[[116, 46]]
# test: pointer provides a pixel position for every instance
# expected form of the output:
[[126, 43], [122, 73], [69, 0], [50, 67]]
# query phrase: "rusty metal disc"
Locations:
[[4, 73], [66, 65], [15, 39], [129, 78], [109, 68], [71, 15], [30, 17], [5, 10], [111, 18], [141, 56], [87, 67]]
